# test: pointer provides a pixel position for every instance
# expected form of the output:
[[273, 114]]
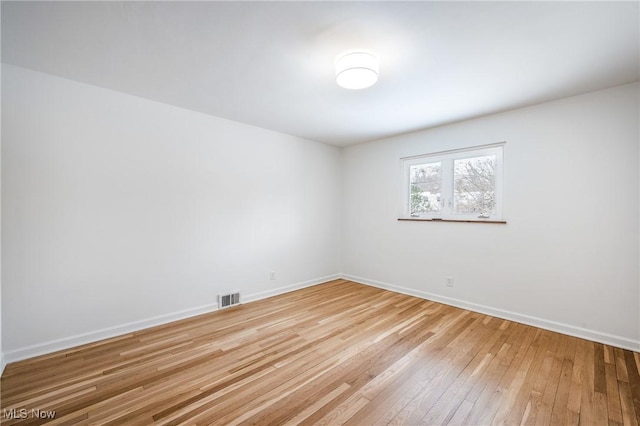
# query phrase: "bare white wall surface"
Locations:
[[2, 361], [120, 212], [568, 257]]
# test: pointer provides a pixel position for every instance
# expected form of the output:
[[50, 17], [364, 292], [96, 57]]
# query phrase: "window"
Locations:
[[464, 185]]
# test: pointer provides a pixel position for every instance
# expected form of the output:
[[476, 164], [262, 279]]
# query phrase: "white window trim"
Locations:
[[447, 158]]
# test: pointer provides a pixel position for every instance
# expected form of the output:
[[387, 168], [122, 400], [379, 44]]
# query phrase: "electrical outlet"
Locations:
[[449, 281], [272, 275]]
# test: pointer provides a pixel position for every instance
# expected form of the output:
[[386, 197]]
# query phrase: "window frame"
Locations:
[[447, 158]]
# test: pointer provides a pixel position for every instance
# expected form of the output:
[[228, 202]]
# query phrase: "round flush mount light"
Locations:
[[356, 70]]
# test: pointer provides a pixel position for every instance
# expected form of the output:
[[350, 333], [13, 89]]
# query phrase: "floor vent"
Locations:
[[228, 300]]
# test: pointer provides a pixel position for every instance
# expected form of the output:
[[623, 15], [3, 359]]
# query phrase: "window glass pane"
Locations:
[[474, 183], [425, 182]]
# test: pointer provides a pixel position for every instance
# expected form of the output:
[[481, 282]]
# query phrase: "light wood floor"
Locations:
[[331, 354]]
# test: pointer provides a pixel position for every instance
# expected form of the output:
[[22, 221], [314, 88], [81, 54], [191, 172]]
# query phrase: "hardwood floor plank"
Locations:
[[536, 402], [521, 405], [587, 406], [621, 365], [614, 411], [335, 353], [575, 391], [488, 383], [634, 381], [629, 417], [316, 406], [436, 357], [552, 383], [561, 400], [511, 383]]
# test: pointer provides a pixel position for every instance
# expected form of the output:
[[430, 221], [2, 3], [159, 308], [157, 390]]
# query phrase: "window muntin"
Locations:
[[462, 184]]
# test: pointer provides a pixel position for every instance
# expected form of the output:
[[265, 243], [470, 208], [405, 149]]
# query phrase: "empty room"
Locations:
[[362, 213]]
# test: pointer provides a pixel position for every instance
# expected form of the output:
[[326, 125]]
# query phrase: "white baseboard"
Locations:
[[106, 333], [583, 333], [91, 337], [286, 289]]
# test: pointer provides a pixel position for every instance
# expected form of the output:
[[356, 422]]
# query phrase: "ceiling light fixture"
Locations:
[[356, 70]]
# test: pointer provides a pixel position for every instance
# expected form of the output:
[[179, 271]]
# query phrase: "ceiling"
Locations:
[[271, 64]]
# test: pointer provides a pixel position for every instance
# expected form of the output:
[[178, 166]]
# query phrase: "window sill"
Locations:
[[451, 220]]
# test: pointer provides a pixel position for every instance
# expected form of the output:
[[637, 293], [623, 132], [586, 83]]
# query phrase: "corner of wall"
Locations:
[[562, 260], [132, 327]]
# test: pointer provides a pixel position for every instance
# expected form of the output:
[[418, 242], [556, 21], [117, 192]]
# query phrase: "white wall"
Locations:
[[2, 361], [120, 212], [568, 257]]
